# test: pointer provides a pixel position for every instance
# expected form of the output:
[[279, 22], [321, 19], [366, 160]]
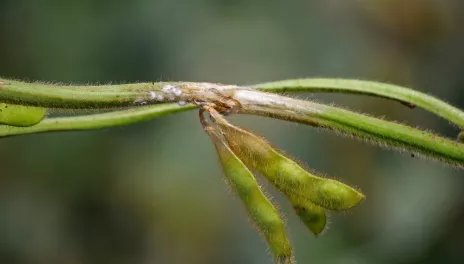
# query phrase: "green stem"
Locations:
[[407, 96], [58, 96], [96, 121], [235, 99], [360, 126], [105, 96]]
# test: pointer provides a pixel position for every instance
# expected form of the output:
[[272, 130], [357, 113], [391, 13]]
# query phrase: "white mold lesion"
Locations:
[[177, 92], [171, 92], [153, 96], [140, 101], [187, 92], [217, 86], [168, 93]]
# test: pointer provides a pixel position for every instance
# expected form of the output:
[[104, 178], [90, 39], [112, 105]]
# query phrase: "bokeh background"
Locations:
[[153, 192]]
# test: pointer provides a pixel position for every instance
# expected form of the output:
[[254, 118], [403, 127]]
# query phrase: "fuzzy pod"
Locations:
[[313, 216], [262, 212], [289, 177], [20, 115]]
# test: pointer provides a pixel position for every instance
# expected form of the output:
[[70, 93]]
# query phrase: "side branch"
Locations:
[[357, 125], [404, 95], [96, 121]]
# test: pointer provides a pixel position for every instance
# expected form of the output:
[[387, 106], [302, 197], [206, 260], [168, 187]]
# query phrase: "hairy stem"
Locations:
[[372, 129], [404, 95], [96, 121], [230, 99], [105, 96]]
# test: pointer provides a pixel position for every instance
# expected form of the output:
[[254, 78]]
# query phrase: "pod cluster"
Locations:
[[241, 152]]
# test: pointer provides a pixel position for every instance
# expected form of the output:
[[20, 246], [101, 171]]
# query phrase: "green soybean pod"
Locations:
[[288, 176], [263, 214], [20, 115], [312, 216]]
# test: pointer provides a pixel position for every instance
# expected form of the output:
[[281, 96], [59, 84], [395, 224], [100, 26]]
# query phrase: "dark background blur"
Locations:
[[153, 192]]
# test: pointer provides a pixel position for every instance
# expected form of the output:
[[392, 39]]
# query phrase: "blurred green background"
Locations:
[[153, 192]]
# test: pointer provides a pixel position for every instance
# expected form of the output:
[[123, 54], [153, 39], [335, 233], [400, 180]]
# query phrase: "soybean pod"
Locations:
[[313, 216], [289, 177], [20, 115], [262, 212]]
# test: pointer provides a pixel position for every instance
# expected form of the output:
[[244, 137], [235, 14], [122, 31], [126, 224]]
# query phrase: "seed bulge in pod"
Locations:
[[262, 212], [20, 115], [287, 175]]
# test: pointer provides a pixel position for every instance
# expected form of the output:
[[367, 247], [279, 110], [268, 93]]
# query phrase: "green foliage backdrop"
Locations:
[[153, 192]]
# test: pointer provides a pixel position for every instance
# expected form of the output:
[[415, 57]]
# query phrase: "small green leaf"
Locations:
[[19, 115]]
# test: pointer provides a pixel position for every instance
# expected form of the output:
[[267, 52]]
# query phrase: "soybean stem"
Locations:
[[361, 126], [405, 95], [96, 121]]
